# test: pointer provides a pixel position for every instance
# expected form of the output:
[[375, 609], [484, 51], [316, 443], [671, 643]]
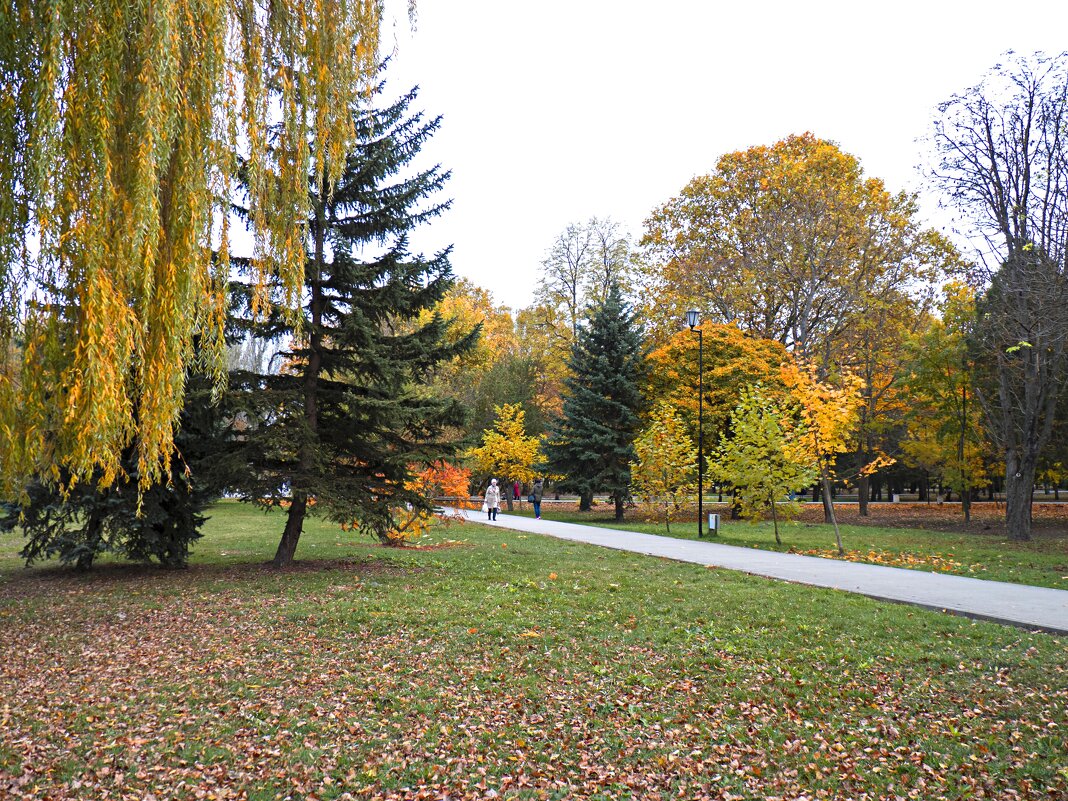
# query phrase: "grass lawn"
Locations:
[[1042, 562], [503, 665]]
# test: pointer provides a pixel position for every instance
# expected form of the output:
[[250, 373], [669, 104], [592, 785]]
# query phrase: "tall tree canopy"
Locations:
[[1002, 151], [592, 445], [791, 241], [122, 129], [338, 431]]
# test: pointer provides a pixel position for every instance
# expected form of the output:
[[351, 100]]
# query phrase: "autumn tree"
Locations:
[[757, 459], [1002, 159], [873, 353], [440, 479], [507, 451], [945, 432], [497, 370], [592, 444], [122, 132], [826, 416], [664, 471], [336, 432], [583, 262], [732, 361], [790, 241]]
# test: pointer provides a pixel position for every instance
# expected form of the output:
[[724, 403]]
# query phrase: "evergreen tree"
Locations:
[[77, 521], [592, 444], [338, 430]]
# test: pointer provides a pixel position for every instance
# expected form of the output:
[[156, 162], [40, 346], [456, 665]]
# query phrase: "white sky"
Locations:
[[559, 110]]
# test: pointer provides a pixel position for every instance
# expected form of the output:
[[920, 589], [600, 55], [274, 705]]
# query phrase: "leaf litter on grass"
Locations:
[[647, 680]]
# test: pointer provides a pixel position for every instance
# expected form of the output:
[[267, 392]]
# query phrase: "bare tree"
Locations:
[[1003, 161], [584, 261]]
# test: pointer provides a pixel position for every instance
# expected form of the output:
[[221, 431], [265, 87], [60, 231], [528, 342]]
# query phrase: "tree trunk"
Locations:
[[585, 501], [619, 508], [828, 503], [94, 528], [295, 522], [828, 507], [283, 557], [863, 488], [1019, 486], [508, 494], [775, 522]]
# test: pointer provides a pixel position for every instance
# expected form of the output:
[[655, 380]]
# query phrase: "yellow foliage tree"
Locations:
[[791, 240], [732, 361], [757, 459], [663, 475], [826, 415], [507, 452], [122, 126], [945, 421]]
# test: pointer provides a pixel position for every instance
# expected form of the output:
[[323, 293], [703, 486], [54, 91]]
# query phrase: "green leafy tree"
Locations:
[[507, 451], [592, 444], [337, 432], [757, 460], [664, 473], [945, 420]]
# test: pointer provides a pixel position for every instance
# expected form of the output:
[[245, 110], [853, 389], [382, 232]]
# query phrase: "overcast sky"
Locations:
[[559, 110]]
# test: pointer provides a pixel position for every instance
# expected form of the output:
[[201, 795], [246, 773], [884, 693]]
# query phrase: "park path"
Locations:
[[1022, 605]]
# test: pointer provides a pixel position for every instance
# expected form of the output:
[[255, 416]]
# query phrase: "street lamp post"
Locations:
[[691, 320]]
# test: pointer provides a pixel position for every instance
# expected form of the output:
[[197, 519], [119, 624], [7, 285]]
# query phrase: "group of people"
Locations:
[[492, 503]]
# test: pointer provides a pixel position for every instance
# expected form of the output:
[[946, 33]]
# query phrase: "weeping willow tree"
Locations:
[[123, 128]]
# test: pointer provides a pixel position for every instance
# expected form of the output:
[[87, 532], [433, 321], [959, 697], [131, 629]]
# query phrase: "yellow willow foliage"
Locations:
[[122, 129]]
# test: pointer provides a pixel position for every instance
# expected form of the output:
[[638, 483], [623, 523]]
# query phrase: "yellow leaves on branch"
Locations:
[[127, 125], [827, 414], [663, 475], [507, 451]]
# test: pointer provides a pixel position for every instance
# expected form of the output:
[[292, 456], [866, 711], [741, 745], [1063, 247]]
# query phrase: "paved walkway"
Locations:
[[1014, 604]]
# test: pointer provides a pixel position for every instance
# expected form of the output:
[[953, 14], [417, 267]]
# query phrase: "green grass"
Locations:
[[1041, 562], [510, 663]]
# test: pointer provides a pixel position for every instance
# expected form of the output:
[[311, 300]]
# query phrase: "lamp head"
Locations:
[[691, 317]]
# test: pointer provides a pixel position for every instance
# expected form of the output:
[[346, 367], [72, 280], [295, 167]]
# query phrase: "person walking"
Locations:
[[493, 499], [535, 497]]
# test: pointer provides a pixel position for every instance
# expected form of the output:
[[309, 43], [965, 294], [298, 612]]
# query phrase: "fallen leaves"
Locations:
[[242, 682], [938, 562]]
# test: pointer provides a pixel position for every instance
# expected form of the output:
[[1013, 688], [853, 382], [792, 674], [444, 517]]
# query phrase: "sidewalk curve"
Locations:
[[1039, 608]]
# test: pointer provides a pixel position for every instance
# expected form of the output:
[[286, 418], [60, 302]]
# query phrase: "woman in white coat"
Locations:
[[493, 499]]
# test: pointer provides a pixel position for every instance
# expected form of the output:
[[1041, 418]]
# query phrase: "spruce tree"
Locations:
[[77, 521], [592, 444], [336, 432]]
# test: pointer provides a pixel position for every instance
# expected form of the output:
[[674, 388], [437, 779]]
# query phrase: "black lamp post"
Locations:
[[691, 320]]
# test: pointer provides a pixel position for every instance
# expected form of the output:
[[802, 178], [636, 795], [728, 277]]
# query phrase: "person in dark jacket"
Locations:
[[536, 494]]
